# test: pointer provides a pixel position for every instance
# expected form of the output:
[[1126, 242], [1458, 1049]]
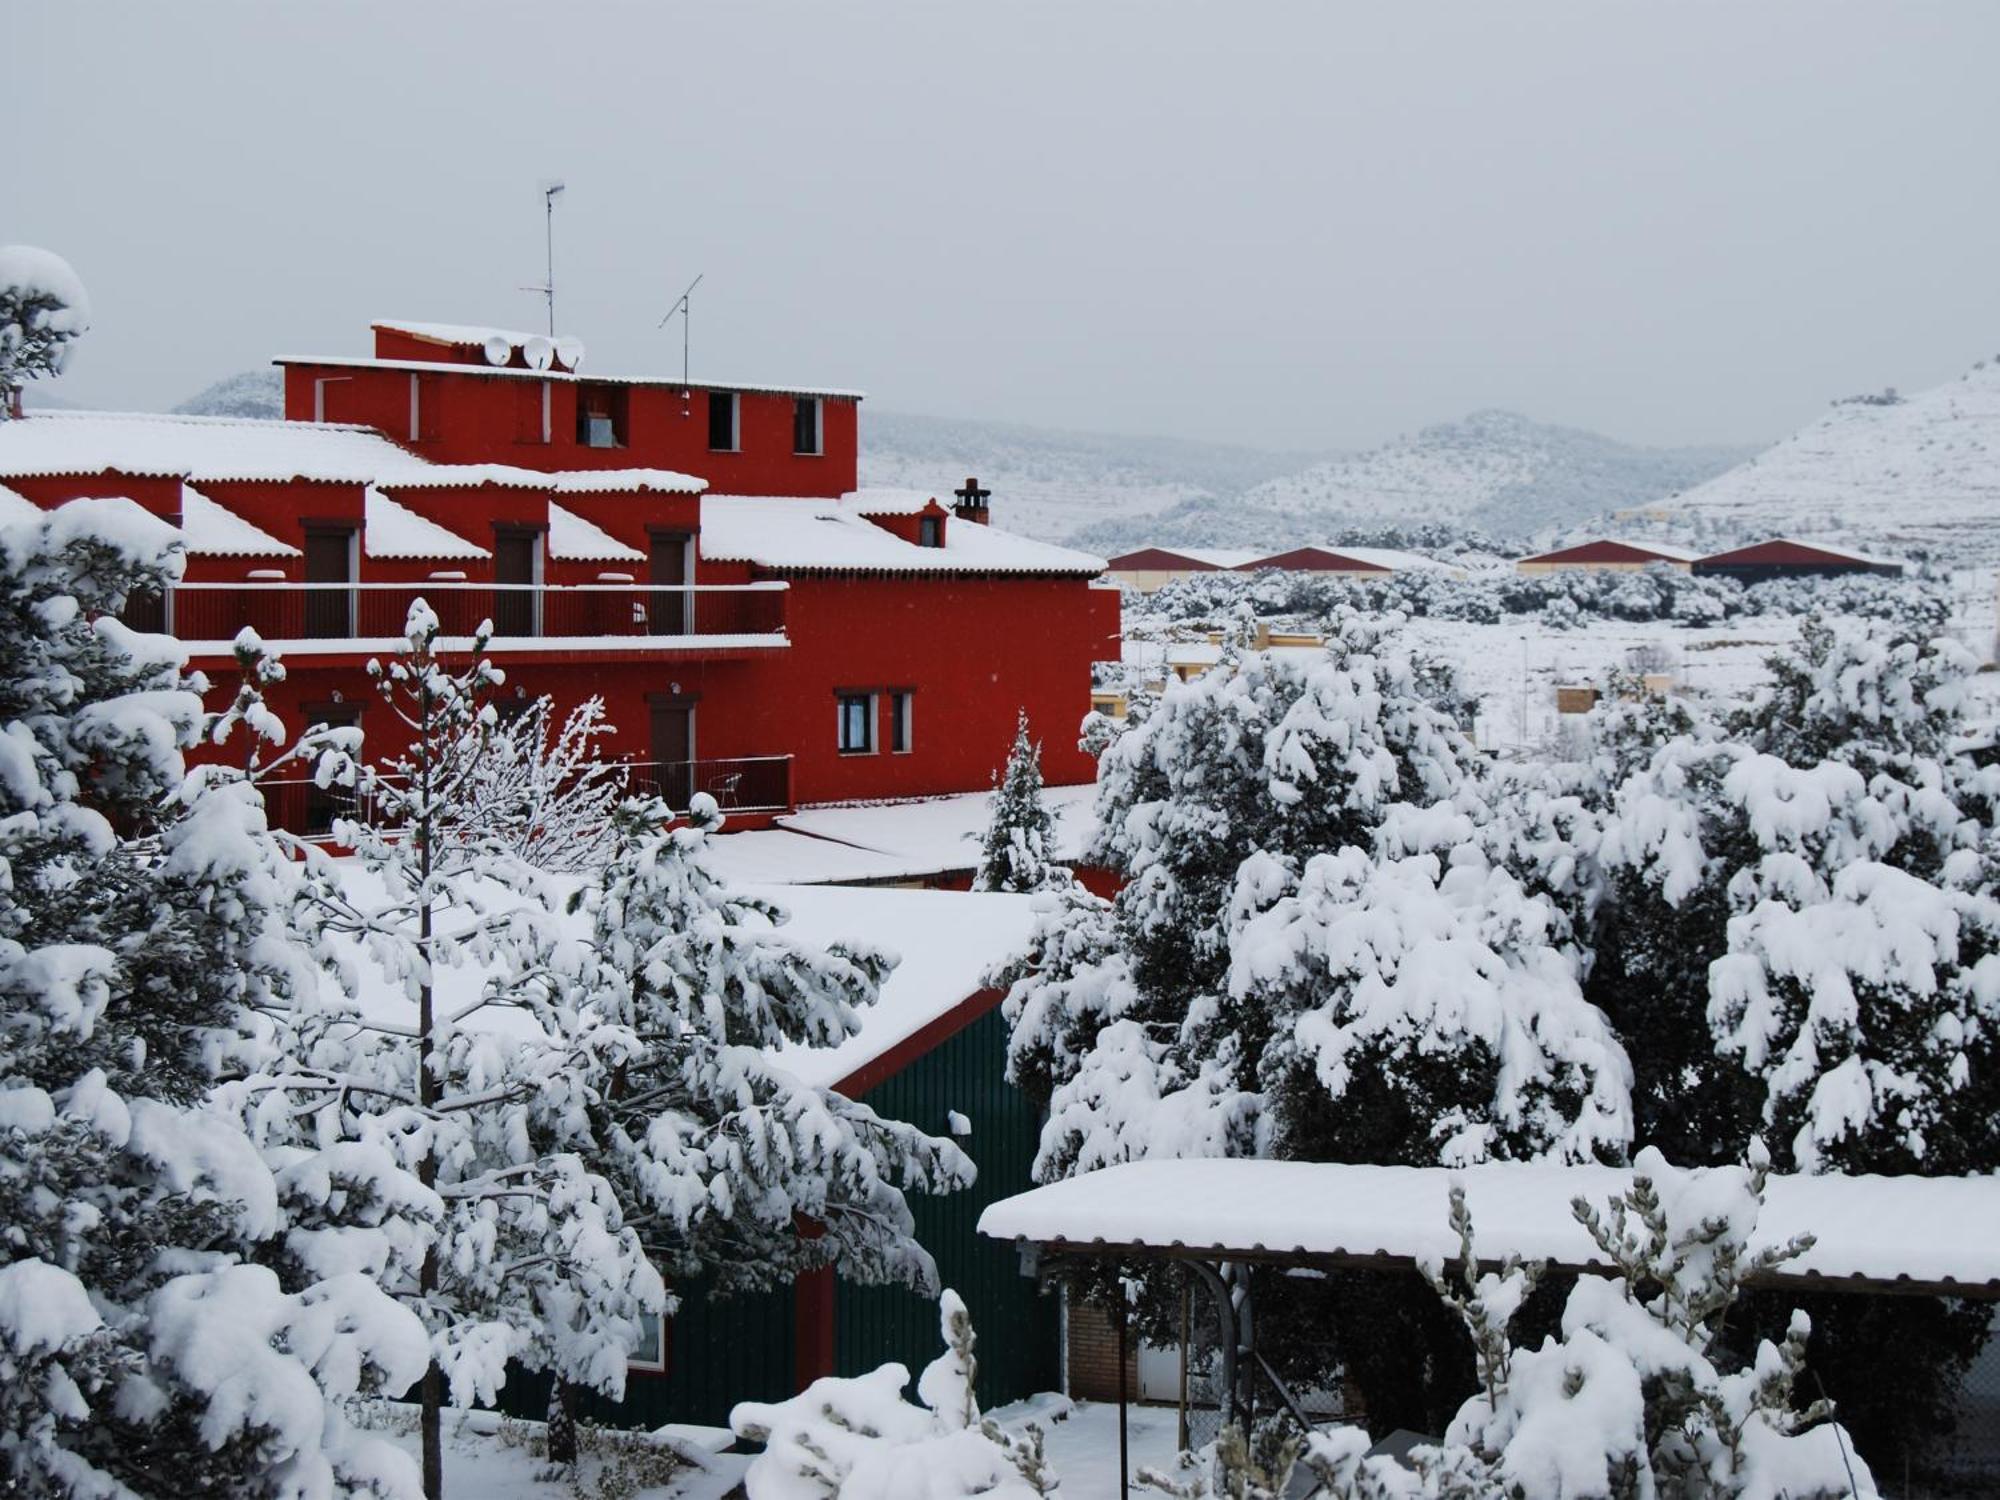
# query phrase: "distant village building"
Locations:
[[1781, 557], [1607, 556], [1154, 567], [1357, 562]]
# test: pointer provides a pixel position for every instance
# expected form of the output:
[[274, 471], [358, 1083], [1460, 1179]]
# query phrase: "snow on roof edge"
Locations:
[[448, 367]]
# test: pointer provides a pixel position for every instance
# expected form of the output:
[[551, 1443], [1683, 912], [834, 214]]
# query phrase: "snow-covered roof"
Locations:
[[573, 539], [244, 448], [885, 501], [213, 530], [1846, 554], [1931, 1231], [946, 939], [889, 840], [448, 367], [392, 530], [1386, 557], [819, 535]]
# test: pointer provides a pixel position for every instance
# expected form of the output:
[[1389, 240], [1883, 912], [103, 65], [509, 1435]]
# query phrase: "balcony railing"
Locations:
[[376, 611], [747, 784]]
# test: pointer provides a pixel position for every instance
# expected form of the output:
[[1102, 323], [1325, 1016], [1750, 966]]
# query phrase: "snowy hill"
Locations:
[[248, 393], [1495, 471], [1915, 473], [1051, 483]]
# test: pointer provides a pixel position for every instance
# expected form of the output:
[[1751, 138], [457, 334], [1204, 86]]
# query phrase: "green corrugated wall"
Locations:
[[722, 1350], [1018, 1327]]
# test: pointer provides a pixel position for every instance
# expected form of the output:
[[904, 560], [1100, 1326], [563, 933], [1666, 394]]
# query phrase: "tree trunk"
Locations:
[[562, 1423]]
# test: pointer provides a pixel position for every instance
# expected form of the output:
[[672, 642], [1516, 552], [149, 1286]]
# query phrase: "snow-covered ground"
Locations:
[[490, 1458]]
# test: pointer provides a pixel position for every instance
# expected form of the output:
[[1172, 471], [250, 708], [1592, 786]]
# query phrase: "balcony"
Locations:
[[370, 616], [748, 784]]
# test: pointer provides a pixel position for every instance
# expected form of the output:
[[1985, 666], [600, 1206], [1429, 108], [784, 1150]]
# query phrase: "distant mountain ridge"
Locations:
[[248, 393]]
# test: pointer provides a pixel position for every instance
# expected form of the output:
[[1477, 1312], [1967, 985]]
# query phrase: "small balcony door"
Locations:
[[517, 569], [329, 565], [673, 752], [670, 608]]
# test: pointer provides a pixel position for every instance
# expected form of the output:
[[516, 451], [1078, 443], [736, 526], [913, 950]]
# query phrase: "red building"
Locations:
[[1781, 557], [1606, 555], [697, 555]]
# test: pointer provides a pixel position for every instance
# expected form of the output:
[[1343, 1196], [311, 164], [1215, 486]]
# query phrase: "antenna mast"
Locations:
[[550, 190], [686, 309]]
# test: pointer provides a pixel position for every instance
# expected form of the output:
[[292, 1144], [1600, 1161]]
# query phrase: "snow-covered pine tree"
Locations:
[[157, 1336], [1019, 853], [458, 1138], [731, 1168], [855, 1438], [542, 791], [43, 311], [1792, 944]]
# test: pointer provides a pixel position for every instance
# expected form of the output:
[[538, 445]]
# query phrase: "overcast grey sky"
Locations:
[[1281, 225]]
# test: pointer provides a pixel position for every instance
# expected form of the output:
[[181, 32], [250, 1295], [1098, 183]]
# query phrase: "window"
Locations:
[[321, 804], [805, 425], [930, 531], [857, 724], [330, 560], [722, 421], [650, 1353], [900, 703], [600, 415]]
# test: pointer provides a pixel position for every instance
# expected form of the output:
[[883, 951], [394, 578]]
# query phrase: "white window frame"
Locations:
[[657, 1365], [871, 724], [818, 449], [902, 720]]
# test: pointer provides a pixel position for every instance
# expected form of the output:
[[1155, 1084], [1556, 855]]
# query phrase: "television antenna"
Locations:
[[551, 189], [686, 309]]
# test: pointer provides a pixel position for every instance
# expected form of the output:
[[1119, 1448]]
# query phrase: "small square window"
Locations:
[[806, 425], [650, 1353], [930, 531], [900, 721], [857, 723], [722, 421]]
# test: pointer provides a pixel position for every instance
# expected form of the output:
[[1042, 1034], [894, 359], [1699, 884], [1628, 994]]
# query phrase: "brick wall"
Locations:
[[1093, 1356]]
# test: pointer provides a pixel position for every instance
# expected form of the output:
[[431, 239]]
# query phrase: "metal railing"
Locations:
[[744, 784], [292, 611]]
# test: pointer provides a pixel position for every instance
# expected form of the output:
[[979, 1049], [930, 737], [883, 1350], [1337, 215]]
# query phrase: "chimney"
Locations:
[[971, 504]]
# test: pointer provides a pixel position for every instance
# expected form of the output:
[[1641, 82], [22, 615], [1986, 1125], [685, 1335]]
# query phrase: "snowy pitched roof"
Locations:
[[244, 448], [392, 530], [1929, 1231], [1386, 558], [1826, 549], [946, 940], [819, 535], [213, 530], [573, 539]]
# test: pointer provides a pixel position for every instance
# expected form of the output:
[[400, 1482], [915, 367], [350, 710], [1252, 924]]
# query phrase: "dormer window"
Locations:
[[806, 433], [930, 531], [722, 433]]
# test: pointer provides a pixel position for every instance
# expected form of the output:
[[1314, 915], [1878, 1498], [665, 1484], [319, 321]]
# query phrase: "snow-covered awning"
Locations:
[[573, 539], [213, 530], [1894, 1234], [394, 531]]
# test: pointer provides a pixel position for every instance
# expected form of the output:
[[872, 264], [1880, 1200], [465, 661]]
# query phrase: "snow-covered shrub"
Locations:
[[1430, 1018], [156, 1334], [1018, 854], [1639, 1396], [43, 311], [857, 1439]]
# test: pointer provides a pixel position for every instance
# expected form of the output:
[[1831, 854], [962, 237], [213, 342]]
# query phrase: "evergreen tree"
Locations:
[[157, 1337], [43, 311], [1019, 853]]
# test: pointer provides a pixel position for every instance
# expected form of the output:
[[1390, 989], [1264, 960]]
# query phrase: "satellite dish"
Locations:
[[569, 350], [498, 349], [538, 352]]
